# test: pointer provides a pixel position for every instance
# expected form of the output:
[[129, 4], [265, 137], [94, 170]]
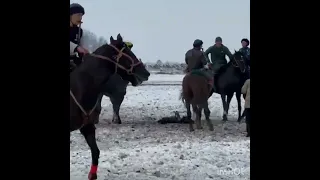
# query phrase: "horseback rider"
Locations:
[[129, 44], [245, 50], [76, 49], [194, 57], [218, 55], [196, 60]]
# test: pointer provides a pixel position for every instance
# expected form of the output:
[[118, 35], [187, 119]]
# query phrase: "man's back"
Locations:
[[195, 59]]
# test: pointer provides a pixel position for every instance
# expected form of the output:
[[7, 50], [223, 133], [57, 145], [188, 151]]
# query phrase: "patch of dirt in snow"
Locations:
[[142, 149]]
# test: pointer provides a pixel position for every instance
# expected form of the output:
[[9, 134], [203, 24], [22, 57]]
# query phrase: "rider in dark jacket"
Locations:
[[195, 58], [245, 50], [76, 42], [197, 62]]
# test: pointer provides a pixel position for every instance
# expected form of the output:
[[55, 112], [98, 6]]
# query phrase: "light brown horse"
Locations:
[[195, 92]]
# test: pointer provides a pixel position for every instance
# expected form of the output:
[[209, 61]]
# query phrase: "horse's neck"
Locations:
[[87, 79], [230, 70]]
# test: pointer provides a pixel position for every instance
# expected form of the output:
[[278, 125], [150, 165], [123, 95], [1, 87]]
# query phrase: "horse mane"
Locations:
[[102, 49]]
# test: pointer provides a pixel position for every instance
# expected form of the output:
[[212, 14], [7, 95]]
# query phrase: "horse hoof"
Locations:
[[116, 122], [191, 128], [92, 176], [211, 128], [224, 120]]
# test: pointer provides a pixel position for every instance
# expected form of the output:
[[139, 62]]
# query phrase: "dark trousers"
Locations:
[[248, 119]]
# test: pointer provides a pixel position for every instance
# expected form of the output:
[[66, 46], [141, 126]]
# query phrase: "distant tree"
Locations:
[[159, 63], [93, 42]]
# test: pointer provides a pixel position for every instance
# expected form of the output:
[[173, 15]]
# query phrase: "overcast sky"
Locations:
[[166, 29]]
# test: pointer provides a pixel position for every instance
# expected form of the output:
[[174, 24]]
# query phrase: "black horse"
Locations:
[[229, 80], [116, 95], [87, 83]]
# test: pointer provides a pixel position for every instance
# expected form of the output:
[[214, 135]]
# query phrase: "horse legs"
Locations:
[[89, 133], [225, 107], [197, 111], [97, 111], [244, 112], [116, 101], [207, 114], [189, 116], [238, 96]]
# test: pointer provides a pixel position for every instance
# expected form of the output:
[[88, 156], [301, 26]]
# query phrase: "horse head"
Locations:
[[238, 61], [125, 62]]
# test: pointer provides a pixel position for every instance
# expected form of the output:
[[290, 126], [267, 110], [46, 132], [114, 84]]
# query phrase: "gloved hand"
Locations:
[[82, 50]]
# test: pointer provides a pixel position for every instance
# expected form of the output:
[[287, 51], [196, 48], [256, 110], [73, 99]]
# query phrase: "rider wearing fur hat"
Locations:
[[76, 13], [245, 50]]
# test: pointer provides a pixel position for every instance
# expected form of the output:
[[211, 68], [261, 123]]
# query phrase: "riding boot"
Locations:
[[214, 81]]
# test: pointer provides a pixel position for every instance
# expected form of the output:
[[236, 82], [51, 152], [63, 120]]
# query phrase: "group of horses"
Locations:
[[109, 69], [227, 81]]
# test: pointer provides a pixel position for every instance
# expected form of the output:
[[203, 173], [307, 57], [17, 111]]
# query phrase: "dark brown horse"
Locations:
[[195, 92], [229, 80], [87, 83]]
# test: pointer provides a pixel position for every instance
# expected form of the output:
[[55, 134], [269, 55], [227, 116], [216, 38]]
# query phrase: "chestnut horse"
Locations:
[[195, 92]]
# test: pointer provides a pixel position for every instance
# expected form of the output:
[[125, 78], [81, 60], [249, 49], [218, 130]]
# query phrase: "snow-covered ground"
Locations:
[[142, 149]]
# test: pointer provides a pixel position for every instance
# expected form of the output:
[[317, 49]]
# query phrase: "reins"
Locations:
[[236, 64], [85, 113], [129, 72]]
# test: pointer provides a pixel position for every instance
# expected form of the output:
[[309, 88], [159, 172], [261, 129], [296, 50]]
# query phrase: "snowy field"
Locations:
[[142, 149]]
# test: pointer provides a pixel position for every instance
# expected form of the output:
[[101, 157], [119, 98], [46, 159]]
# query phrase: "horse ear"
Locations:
[[111, 39], [235, 51], [119, 38]]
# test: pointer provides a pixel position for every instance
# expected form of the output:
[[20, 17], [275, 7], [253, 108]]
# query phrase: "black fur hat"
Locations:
[[197, 43], [76, 8], [245, 40]]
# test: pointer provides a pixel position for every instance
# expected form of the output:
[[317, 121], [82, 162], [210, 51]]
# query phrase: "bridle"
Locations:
[[117, 58], [117, 64], [236, 63]]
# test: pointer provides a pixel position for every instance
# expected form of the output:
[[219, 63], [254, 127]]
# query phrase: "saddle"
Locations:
[[205, 73]]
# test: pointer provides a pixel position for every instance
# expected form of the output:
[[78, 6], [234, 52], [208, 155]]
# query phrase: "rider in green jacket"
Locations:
[[218, 55]]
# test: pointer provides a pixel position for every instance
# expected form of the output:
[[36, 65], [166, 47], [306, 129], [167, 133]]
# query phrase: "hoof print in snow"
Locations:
[[123, 155], [139, 171], [181, 157], [178, 146], [157, 174]]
